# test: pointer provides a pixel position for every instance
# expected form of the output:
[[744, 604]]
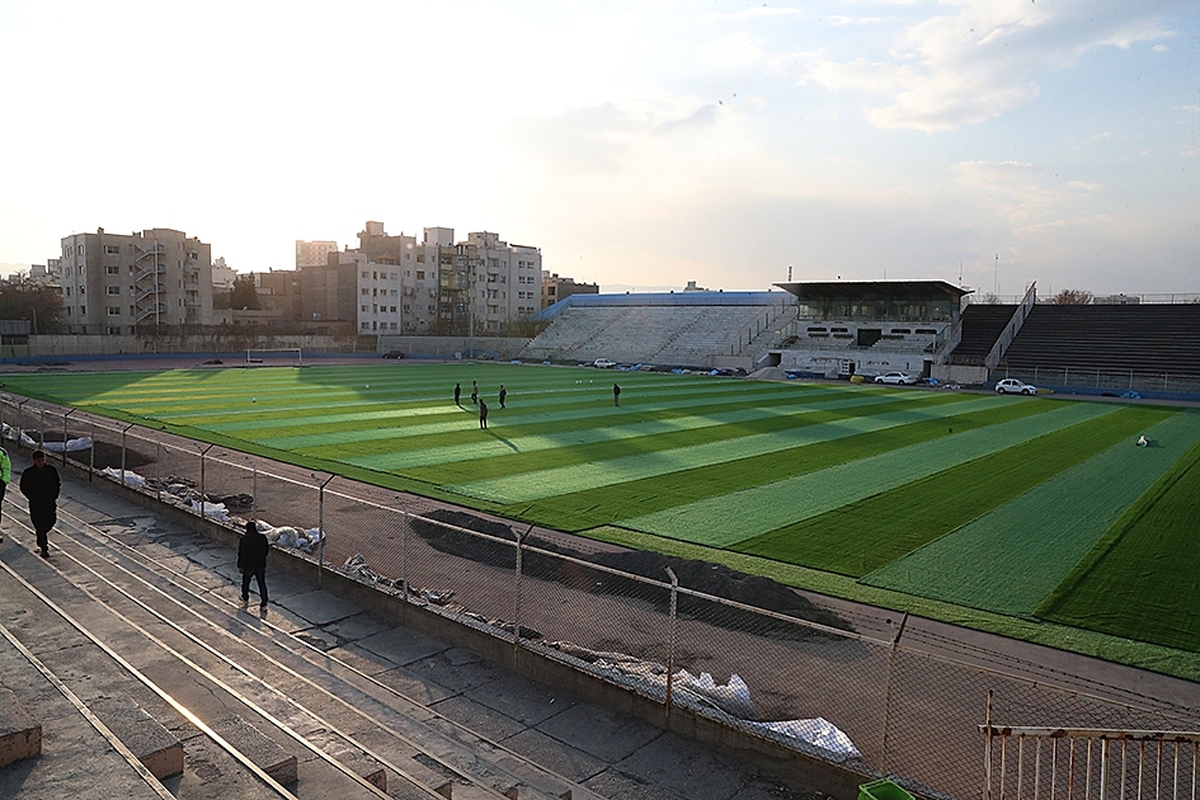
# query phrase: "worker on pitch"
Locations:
[[474, 393], [503, 394], [483, 409], [457, 394]]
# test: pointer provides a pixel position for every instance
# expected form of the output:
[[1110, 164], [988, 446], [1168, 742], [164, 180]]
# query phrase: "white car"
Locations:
[[1014, 386], [896, 378], [603, 363]]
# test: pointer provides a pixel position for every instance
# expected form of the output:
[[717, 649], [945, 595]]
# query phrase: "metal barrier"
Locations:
[[1104, 763], [909, 699]]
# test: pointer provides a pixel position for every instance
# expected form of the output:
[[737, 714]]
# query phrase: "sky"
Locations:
[[639, 145]]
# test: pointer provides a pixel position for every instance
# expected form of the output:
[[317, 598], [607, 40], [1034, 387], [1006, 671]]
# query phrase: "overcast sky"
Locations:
[[638, 144]]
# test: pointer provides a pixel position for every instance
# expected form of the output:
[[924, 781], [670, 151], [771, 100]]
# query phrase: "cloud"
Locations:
[[980, 60]]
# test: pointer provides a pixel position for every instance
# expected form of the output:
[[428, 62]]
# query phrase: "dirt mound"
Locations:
[[694, 575]]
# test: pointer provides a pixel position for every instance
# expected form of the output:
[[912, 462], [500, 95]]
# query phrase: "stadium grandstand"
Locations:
[[703, 330], [928, 329]]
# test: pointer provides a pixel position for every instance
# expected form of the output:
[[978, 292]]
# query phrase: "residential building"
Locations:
[[113, 283], [48, 273], [313, 254], [555, 288], [279, 291], [222, 276], [400, 285]]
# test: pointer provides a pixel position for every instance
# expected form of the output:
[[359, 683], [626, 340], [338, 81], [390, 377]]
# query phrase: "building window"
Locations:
[[364, 308], [66, 291], [83, 290], [420, 274], [113, 330], [83, 311], [112, 270], [364, 325], [365, 292], [112, 290], [366, 274], [112, 250]]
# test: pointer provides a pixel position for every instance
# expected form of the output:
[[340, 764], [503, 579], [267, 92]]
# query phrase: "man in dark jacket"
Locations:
[[40, 485], [252, 562]]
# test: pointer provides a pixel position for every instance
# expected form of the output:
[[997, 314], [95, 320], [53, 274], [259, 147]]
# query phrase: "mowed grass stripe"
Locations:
[[776, 506], [531, 486], [597, 507], [555, 415], [511, 453], [860, 537], [1009, 559], [1142, 580]]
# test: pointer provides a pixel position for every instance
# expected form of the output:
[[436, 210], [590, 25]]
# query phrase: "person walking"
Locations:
[[5, 478], [503, 394], [474, 393], [457, 394], [40, 485], [616, 395], [252, 562], [482, 415]]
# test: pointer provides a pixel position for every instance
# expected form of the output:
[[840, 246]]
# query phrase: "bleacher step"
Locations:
[[262, 751], [20, 734], [157, 748]]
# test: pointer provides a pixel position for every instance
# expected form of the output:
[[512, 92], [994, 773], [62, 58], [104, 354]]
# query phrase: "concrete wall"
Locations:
[[952, 373], [88, 345], [448, 346]]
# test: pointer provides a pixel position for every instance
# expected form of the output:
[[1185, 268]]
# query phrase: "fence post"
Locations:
[[517, 598], [891, 681], [671, 638], [123, 432], [92, 453], [987, 750], [203, 492], [64, 453], [321, 529], [20, 415], [42, 429], [158, 468], [403, 562]]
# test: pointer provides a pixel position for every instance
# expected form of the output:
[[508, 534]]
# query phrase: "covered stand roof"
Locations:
[[819, 291]]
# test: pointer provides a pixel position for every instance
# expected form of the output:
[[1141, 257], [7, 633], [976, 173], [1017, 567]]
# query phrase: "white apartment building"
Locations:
[[113, 283], [439, 286]]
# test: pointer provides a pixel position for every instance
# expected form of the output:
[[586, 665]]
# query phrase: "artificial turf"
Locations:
[[919, 493]]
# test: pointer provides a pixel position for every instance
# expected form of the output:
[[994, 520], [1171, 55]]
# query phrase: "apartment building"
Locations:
[[113, 283], [314, 253], [555, 288], [438, 285]]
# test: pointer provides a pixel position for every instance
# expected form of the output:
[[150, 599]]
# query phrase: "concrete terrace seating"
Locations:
[[682, 335], [982, 325], [1135, 338]]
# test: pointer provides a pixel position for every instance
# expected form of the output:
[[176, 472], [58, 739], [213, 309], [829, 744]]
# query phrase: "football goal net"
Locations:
[[275, 357]]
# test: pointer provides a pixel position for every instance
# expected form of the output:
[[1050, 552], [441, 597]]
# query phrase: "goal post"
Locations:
[[274, 356]]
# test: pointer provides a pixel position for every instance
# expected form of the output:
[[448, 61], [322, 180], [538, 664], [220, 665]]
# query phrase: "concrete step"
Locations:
[[155, 746], [20, 734], [262, 751]]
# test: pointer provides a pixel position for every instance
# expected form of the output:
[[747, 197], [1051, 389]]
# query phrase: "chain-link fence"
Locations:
[[910, 702], [1115, 381]]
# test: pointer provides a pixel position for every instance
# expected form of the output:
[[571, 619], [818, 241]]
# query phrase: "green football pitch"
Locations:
[[1031, 509]]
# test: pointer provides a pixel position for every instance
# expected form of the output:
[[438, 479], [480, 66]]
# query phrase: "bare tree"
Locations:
[[1072, 297]]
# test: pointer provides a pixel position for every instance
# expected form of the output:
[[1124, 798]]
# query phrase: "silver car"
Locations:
[[896, 378], [1014, 386]]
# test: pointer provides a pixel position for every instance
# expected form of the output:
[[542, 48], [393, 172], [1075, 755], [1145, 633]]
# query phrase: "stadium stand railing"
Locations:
[[910, 700]]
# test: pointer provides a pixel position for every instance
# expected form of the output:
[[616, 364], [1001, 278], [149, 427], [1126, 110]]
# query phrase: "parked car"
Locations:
[[1014, 386], [393, 354], [896, 378], [603, 363]]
